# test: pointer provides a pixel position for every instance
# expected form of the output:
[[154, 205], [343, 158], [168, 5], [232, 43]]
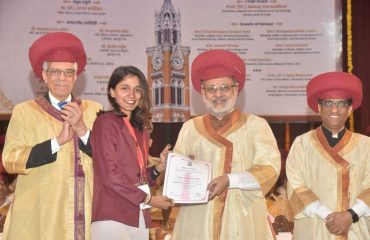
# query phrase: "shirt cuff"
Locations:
[[243, 180], [54, 146], [317, 208], [85, 138], [361, 208]]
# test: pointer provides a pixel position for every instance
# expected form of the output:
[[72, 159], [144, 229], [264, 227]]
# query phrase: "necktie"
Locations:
[[61, 104]]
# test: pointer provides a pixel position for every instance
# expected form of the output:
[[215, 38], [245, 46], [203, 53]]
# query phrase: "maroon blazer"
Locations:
[[116, 171]]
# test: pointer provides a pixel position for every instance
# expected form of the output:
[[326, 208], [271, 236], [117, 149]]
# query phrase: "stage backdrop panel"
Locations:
[[283, 42]]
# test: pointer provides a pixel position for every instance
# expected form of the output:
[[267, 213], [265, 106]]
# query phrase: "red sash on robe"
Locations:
[[79, 176]]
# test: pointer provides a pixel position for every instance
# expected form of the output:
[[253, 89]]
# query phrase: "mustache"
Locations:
[[219, 99]]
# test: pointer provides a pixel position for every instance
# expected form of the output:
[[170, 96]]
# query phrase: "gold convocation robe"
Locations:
[[314, 174], [250, 145], [43, 206]]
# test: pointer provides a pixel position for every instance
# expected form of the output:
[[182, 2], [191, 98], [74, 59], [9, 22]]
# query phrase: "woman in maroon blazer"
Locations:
[[120, 143]]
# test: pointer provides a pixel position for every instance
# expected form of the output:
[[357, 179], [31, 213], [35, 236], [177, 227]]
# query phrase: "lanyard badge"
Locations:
[[140, 157]]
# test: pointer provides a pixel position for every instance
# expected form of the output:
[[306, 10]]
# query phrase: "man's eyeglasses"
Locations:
[[54, 72], [224, 88], [331, 103]]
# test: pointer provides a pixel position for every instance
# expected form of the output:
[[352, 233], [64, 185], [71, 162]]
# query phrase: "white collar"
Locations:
[[55, 101]]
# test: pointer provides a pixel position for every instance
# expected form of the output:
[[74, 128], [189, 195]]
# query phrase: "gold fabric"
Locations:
[[244, 214], [365, 196], [43, 206], [300, 198], [314, 174], [265, 175]]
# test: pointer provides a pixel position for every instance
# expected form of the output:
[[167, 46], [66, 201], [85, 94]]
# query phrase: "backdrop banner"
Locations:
[[283, 43]]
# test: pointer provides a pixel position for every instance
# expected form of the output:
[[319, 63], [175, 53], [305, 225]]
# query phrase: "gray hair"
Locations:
[[45, 65]]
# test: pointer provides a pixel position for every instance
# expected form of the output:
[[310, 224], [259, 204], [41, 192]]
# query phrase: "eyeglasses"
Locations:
[[330, 103], [223, 88], [54, 72]]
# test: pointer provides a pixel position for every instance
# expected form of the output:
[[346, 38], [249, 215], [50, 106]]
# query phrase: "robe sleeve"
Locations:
[[41, 155], [16, 152], [365, 194], [182, 145], [299, 194], [85, 148], [266, 162]]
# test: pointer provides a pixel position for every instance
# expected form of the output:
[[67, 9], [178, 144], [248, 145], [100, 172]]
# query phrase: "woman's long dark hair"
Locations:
[[141, 116]]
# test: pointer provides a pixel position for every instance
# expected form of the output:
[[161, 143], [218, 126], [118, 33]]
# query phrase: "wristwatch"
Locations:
[[353, 214]]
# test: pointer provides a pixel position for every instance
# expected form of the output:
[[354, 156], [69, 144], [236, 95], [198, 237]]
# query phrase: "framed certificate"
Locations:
[[186, 180]]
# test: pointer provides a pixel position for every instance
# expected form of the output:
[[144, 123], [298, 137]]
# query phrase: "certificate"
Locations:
[[186, 180]]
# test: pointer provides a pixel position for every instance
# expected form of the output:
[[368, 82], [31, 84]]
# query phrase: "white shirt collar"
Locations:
[[55, 101]]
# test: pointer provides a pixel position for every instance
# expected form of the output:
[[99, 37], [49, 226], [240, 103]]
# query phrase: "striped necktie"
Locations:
[[61, 104]]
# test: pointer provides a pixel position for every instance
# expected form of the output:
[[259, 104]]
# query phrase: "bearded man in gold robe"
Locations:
[[243, 152], [328, 168], [47, 145]]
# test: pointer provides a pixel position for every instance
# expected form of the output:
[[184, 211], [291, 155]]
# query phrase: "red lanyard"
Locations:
[[140, 157]]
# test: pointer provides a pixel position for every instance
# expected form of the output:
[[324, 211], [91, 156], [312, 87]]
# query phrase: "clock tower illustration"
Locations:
[[168, 68]]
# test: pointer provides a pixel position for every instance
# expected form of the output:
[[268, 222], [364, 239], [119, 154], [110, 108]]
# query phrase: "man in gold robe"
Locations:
[[47, 145], [328, 168], [243, 152]]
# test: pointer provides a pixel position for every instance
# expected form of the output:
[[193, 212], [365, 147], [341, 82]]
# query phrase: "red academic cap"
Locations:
[[57, 47], [334, 85], [215, 64]]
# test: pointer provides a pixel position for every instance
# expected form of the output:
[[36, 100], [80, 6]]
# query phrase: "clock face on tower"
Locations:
[[178, 61], [157, 61]]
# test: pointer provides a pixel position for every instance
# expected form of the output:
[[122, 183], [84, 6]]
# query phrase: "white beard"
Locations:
[[220, 112]]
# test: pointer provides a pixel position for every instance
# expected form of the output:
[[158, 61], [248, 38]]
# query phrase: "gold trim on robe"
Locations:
[[334, 176], [300, 198], [365, 196], [43, 206], [204, 126], [265, 175], [343, 173]]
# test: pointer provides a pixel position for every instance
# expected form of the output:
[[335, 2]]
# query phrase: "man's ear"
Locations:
[[319, 107], [349, 110], [44, 77]]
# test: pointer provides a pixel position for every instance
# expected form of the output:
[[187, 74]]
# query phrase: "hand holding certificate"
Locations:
[[186, 180]]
